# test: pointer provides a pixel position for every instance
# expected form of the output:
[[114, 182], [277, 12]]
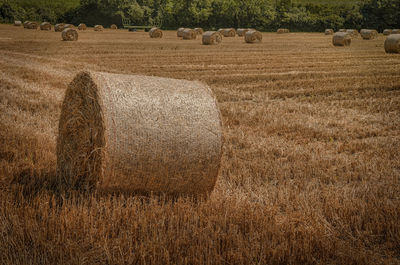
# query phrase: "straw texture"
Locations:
[[69, 34], [253, 36], [113, 26], [231, 32], [59, 27], [280, 31], [211, 38], [392, 43], [17, 23], [98, 28], [199, 31], [139, 134], [45, 26], [189, 34], [368, 34], [179, 33], [155, 33], [341, 39], [387, 32], [328, 31], [82, 26]]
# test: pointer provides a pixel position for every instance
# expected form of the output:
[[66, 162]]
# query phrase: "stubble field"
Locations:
[[310, 172]]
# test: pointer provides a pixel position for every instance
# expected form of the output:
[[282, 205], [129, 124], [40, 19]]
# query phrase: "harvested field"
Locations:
[[310, 171]]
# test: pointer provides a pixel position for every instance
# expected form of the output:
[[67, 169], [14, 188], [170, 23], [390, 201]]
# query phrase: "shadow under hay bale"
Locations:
[[341, 39], [253, 36], [392, 43], [45, 26], [69, 34], [211, 38], [155, 33], [139, 134]]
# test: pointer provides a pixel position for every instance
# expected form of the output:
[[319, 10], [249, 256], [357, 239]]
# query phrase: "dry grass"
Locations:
[[311, 164]]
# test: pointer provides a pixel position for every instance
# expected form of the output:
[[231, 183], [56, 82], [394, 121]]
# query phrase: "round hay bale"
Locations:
[[155, 33], [59, 27], [341, 39], [17, 23], [179, 33], [199, 31], [328, 31], [113, 26], [26, 24], [45, 26], [368, 34], [281, 31], [69, 34], [342, 30], [241, 32], [231, 32], [98, 28], [395, 31], [139, 134], [68, 26], [353, 33], [82, 26], [211, 38], [189, 34], [387, 32], [392, 43], [32, 25], [253, 36], [220, 31]]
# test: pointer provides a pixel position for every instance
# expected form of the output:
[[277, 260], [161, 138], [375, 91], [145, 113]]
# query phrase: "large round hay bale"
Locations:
[[45, 26], [82, 26], [98, 28], [69, 34], [211, 38], [395, 31], [353, 33], [139, 134], [179, 32], [328, 31], [368, 34], [26, 24], [113, 26], [59, 27], [32, 25], [231, 32], [387, 32], [199, 31], [17, 23], [392, 43], [253, 36], [189, 34], [280, 31], [341, 39], [155, 33]]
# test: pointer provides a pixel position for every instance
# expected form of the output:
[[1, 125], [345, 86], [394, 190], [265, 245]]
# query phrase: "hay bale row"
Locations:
[[392, 43], [211, 38], [69, 34], [45, 26], [155, 33], [253, 36], [329, 32], [98, 28], [139, 134], [82, 26], [341, 39], [281, 31], [189, 34], [368, 34], [17, 23], [199, 31]]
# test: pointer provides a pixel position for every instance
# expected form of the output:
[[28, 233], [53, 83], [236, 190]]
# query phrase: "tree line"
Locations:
[[264, 15]]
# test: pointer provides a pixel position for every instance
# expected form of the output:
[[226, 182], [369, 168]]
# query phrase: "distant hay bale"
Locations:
[[59, 27], [328, 31], [241, 32], [220, 31], [395, 31], [69, 34], [353, 33], [280, 31], [98, 28], [67, 26], [155, 33], [231, 32], [211, 38], [32, 25], [45, 26], [113, 26], [26, 24], [368, 34], [392, 43], [179, 33], [342, 30], [139, 134], [341, 39], [253, 36], [17, 23], [199, 31], [82, 26], [189, 34], [387, 32]]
